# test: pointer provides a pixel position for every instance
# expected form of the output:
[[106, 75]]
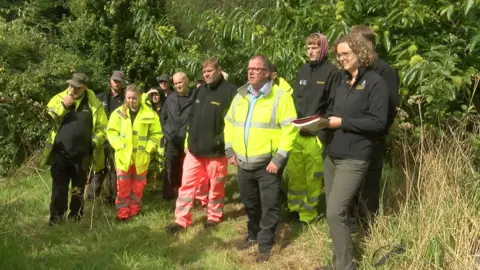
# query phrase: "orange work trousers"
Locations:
[[130, 187], [200, 173]]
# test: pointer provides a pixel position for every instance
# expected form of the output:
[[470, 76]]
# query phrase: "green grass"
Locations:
[[431, 204], [99, 242]]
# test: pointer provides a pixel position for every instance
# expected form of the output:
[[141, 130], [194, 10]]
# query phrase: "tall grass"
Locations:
[[431, 204], [438, 219]]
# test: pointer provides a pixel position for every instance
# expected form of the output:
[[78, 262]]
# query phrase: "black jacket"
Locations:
[[174, 119], [364, 112], [312, 88], [109, 102], [205, 131], [390, 75]]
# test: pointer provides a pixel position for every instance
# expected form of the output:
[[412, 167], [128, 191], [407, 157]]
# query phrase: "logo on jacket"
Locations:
[[215, 103], [197, 101], [104, 104], [361, 86], [302, 82]]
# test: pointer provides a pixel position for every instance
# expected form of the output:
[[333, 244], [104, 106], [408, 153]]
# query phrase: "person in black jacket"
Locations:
[[164, 83], [368, 200], [205, 161], [111, 100], [358, 117], [174, 120], [310, 93], [155, 97]]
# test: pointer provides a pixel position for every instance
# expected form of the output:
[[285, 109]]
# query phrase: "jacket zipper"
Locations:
[[203, 111]]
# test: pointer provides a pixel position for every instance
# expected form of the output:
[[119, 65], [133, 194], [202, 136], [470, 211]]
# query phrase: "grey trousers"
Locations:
[[343, 177]]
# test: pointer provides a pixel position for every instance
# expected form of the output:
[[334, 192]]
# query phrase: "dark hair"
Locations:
[[274, 68], [161, 94], [266, 62], [365, 31]]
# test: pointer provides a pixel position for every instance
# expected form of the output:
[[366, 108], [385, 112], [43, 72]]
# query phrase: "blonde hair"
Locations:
[[212, 61], [365, 54], [130, 88]]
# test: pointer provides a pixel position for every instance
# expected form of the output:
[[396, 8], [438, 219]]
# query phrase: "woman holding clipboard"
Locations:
[[358, 115]]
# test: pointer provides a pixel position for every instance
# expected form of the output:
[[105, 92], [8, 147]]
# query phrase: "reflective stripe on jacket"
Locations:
[[56, 111], [134, 144], [271, 133]]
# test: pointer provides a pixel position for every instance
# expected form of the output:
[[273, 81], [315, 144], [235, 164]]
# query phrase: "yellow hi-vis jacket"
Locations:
[[134, 144], [56, 111], [284, 85], [271, 133]]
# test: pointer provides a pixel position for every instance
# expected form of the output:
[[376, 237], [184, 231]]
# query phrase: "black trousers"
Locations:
[[260, 193], [95, 185], [63, 172], [174, 156]]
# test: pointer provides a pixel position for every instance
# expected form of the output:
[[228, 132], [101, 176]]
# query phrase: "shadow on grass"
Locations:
[[99, 242]]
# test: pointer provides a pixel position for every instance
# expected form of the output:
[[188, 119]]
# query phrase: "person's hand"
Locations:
[[151, 91], [335, 122], [233, 161], [68, 100], [272, 168]]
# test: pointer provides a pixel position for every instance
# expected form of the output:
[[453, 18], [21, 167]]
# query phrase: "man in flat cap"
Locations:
[[74, 143], [111, 99], [165, 84]]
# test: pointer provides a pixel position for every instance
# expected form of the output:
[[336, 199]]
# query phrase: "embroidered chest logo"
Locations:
[[302, 82], [320, 82], [360, 86], [197, 101], [215, 103], [104, 104]]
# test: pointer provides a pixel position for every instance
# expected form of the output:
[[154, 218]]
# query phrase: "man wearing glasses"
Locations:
[[258, 138]]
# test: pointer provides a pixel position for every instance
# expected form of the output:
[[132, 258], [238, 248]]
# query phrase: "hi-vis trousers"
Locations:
[[200, 173], [130, 187], [305, 170]]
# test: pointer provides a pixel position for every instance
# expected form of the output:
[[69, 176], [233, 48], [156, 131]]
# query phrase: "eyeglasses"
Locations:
[[344, 55], [256, 70]]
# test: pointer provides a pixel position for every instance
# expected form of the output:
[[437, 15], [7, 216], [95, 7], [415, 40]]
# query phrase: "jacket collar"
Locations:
[[361, 72], [216, 84], [314, 64], [246, 89]]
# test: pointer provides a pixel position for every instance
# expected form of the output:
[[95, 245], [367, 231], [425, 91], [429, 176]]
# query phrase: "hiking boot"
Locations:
[[248, 243], [53, 222], [173, 228], [210, 224], [262, 257]]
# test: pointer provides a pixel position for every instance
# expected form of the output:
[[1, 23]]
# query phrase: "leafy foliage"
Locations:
[[434, 45]]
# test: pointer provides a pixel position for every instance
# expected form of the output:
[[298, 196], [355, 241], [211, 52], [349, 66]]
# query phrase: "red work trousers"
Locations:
[[201, 172], [130, 187]]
